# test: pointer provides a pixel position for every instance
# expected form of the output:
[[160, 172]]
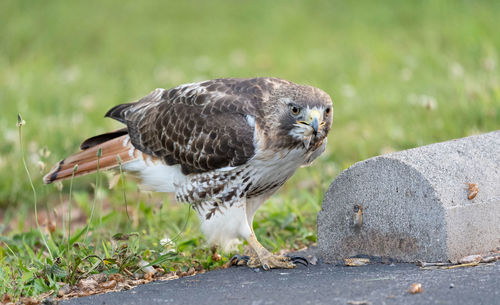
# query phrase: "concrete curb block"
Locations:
[[413, 205]]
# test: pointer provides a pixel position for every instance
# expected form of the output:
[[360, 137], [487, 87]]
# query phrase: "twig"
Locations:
[[426, 264], [128, 272]]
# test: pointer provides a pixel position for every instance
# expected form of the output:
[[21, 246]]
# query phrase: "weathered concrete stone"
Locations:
[[413, 205]]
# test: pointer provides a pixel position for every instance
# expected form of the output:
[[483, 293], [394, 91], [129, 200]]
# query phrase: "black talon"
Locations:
[[299, 260], [239, 260]]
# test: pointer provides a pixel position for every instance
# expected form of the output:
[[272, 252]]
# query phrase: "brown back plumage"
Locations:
[[201, 126]]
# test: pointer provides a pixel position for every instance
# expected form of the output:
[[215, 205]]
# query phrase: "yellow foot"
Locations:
[[271, 261], [261, 257]]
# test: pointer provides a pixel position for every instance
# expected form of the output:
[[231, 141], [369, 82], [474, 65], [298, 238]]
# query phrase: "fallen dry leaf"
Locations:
[[117, 277], [6, 298], [160, 270], [489, 259], [85, 293], [191, 271], [102, 283], [87, 284], [470, 259], [473, 190], [415, 288], [108, 285], [136, 282], [99, 278], [64, 290], [124, 286], [29, 301], [149, 276], [168, 276], [356, 262]]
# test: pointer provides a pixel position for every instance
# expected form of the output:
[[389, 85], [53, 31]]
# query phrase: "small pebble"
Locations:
[[452, 285], [415, 288], [216, 257]]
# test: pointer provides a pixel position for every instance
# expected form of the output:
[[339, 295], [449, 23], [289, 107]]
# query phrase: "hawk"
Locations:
[[224, 146]]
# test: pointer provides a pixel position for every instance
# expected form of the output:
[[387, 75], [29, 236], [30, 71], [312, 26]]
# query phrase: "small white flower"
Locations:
[[166, 242]]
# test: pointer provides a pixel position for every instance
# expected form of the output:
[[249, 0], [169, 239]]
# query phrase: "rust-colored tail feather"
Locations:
[[87, 159]]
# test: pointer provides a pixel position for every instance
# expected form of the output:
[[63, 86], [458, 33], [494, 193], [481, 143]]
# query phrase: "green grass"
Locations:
[[401, 74]]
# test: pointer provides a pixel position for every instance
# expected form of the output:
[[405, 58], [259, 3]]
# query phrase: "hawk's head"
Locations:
[[301, 115]]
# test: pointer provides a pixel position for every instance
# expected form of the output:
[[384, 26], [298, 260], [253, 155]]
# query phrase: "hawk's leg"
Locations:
[[266, 259]]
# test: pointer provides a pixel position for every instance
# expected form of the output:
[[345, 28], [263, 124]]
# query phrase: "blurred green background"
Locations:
[[401, 73]]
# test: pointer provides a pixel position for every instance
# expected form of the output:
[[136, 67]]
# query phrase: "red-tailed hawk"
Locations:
[[223, 145]]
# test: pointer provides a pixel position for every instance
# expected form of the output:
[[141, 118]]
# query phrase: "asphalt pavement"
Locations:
[[319, 284]]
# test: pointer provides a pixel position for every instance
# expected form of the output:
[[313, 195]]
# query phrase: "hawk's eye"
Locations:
[[294, 110], [327, 110]]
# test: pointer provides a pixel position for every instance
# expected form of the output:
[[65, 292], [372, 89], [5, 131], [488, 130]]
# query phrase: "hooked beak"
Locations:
[[314, 120]]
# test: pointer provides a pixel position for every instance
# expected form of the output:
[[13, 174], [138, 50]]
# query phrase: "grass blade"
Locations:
[[75, 168], [99, 154], [20, 123]]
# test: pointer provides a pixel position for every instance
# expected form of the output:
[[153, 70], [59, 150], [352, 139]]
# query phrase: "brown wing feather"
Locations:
[[201, 126], [99, 139]]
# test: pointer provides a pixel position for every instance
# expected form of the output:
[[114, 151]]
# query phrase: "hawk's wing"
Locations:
[[201, 126]]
